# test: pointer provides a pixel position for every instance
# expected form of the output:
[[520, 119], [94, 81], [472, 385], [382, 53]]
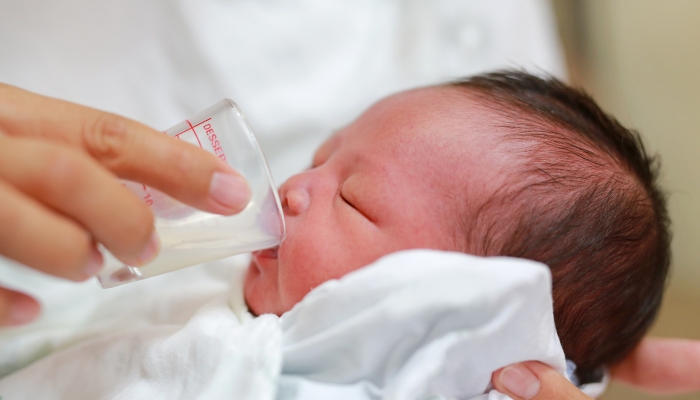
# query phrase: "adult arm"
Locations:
[[658, 366], [662, 366], [60, 193]]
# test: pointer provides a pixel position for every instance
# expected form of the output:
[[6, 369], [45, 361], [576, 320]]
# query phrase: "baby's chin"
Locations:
[[261, 292]]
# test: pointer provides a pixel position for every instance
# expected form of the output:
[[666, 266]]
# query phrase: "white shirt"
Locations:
[[298, 68]]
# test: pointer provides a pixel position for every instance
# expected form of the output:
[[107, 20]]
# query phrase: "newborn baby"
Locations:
[[500, 164], [504, 164]]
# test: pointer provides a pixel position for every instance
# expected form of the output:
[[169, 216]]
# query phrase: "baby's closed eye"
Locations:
[[351, 199]]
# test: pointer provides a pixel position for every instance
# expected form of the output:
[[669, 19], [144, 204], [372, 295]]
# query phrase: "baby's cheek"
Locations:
[[302, 277], [310, 267], [309, 257]]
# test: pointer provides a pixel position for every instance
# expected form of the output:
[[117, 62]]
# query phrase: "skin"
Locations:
[[59, 188], [657, 366], [552, 386], [343, 213], [92, 148], [662, 366]]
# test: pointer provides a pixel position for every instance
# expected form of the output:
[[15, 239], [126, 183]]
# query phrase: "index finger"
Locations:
[[129, 149]]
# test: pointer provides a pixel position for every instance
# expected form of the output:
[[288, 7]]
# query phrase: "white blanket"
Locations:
[[415, 324]]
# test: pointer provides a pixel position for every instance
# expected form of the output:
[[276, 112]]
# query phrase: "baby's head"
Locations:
[[501, 164]]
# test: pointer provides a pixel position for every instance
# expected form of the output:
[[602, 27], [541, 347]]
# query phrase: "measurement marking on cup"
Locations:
[[146, 198], [193, 131], [191, 127], [211, 135], [215, 144]]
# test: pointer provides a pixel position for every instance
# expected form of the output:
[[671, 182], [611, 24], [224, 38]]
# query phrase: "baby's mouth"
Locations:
[[267, 253]]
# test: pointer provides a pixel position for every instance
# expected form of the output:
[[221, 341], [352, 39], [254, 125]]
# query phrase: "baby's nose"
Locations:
[[294, 194], [297, 200]]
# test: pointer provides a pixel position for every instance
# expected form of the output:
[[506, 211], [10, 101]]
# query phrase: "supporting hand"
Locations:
[[536, 381], [658, 366]]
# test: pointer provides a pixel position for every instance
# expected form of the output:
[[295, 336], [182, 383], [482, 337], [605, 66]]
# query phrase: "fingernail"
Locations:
[[150, 252], [94, 263], [520, 381], [229, 190], [23, 310]]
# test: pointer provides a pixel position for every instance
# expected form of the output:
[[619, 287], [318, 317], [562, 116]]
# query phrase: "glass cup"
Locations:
[[189, 236]]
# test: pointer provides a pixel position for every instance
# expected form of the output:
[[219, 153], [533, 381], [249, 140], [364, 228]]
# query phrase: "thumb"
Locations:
[[536, 381]]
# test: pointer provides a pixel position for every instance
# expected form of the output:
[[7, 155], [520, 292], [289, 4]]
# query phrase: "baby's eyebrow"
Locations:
[[330, 143]]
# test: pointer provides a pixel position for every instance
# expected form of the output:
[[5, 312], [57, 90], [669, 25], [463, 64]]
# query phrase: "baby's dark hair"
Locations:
[[587, 204]]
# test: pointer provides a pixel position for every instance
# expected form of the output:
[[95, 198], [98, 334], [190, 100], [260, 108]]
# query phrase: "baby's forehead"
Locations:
[[445, 143], [438, 131], [429, 117]]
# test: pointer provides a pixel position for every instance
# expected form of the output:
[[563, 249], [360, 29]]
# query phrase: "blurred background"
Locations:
[[641, 60]]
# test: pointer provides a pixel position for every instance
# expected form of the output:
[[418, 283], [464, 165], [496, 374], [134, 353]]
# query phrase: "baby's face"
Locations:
[[394, 179]]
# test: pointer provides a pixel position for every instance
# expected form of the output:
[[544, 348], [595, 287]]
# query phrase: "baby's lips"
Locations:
[[267, 253]]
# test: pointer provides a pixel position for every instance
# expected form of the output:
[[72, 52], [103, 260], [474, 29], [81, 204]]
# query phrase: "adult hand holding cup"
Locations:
[[189, 236], [60, 194]]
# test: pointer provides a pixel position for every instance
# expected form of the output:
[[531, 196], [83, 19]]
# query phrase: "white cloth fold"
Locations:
[[416, 324], [213, 356]]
